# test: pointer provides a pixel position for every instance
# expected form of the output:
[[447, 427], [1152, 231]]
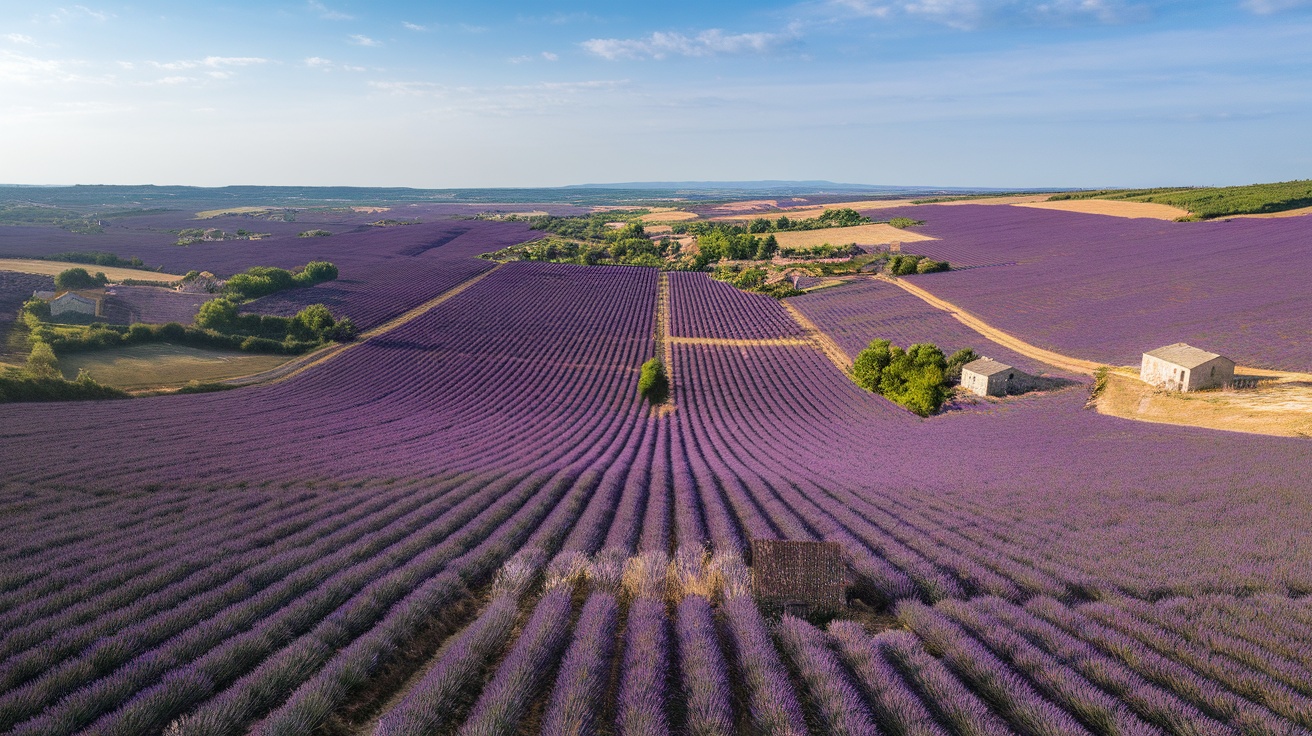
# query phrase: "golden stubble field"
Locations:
[[875, 234], [54, 268], [1112, 208]]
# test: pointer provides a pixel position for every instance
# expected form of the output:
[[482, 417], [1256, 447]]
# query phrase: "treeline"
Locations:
[[919, 378], [79, 278], [905, 264], [98, 258], [627, 247], [191, 236], [259, 281], [754, 279], [841, 217], [1206, 203], [594, 227]]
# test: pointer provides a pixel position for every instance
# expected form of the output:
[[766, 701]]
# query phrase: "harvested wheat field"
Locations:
[[803, 213], [668, 215], [876, 234], [1018, 199], [54, 268], [1113, 208]]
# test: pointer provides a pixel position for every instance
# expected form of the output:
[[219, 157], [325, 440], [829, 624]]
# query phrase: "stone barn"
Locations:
[[800, 578], [987, 377], [71, 302], [1182, 367]]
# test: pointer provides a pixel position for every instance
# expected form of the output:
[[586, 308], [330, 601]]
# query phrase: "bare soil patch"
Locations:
[[1113, 208], [1282, 407], [54, 268], [876, 234], [805, 212]]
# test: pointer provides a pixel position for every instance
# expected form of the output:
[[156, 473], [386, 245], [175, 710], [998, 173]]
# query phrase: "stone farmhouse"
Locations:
[[72, 302], [1182, 367], [987, 377]]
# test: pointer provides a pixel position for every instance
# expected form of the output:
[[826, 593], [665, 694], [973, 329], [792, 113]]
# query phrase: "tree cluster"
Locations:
[[919, 378], [841, 217], [78, 278], [261, 281], [907, 264]]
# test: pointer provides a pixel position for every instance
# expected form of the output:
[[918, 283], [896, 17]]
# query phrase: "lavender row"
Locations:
[[703, 307]]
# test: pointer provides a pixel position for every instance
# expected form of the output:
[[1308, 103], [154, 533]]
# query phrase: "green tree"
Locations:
[[219, 315], [868, 368], [956, 361], [769, 246], [759, 225], [42, 363], [915, 378], [78, 278], [653, 384]]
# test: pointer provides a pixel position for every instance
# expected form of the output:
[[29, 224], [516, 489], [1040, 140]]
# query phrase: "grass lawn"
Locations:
[[161, 365]]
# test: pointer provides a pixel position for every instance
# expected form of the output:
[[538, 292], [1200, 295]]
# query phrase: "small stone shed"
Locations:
[[1182, 367], [72, 302], [988, 377], [800, 578]]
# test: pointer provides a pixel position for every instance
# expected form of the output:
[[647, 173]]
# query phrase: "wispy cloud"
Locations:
[[974, 14], [412, 26], [544, 56], [326, 12], [1268, 7], [19, 38], [660, 45], [76, 12], [212, 62], [328, 65], [358, 39]]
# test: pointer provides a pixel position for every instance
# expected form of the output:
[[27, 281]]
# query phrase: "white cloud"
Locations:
[[326, 12], [1267, 7], [210, 62], [413, 26], [660, 45], [19, 38], [358, 39], [327, 65], [973, 14], [548, 56]]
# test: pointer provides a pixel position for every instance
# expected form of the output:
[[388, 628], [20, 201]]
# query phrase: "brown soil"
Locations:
[[821, 341]]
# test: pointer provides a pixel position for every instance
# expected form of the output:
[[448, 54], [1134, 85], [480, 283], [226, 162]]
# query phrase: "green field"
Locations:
[[1206, 203], [161, 365]]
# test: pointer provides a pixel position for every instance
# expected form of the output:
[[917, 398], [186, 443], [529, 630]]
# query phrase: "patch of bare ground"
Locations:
[[874, 234], [1280, 406], [818, 338], [1112, 208], [804, 212]]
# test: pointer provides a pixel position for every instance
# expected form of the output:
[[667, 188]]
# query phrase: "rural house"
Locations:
[[72, 302], [987, 377], [1182, 367]]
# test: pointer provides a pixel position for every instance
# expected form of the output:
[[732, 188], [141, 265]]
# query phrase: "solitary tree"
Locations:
[[653, 384]]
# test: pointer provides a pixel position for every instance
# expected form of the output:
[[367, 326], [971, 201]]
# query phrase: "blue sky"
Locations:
[[995, 93]]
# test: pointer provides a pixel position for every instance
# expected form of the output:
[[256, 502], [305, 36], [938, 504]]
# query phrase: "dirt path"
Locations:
[[322, 355], [821, 341], [663, 336], [1057, 360]]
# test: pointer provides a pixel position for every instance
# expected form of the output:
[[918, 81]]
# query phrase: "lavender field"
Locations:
[[1107, 289], [472, 524]]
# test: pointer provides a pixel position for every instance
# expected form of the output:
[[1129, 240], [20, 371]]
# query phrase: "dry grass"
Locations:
[[1113, 208], [1282, 408], [54, 268], [807, 213], [160, 365], [877, 234], [1018, 199], [667, 215]]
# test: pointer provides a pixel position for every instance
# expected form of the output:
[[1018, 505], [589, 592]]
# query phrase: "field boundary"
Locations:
[[732, 342], [42, 267], [818, 339], [322, 355], [1057, 360]]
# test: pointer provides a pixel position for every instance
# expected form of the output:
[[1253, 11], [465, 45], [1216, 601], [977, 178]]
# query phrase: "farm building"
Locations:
[[1182, 367], [799, 577], [987, 377], [72, 302]]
